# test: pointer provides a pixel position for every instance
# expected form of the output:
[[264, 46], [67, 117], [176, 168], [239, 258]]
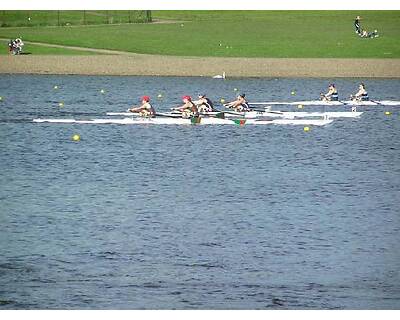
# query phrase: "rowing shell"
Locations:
[[260, 114], [333, 103], [201, 121]]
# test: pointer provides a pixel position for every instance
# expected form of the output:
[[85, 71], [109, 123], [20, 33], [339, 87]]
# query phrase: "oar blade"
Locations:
[[195, 120], [240, 122], [220, 115]]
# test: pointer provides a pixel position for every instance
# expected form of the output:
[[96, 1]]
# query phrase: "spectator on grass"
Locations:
[[363, 33], [15, 46], [357, 25]]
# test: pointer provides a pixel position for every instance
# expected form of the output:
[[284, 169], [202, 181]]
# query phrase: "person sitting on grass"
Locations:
[[15, 46], [331, 95], [361, 95], [20, 45], [240, 104], [204, 104], [146, 109], [366, 34]]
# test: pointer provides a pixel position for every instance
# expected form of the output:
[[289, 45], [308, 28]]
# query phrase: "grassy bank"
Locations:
[[270, 34]]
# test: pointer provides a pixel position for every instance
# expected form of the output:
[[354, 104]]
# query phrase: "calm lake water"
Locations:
[[195, 217]]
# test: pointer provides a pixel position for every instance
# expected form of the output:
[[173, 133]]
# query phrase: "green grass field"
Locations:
[[280, 34]]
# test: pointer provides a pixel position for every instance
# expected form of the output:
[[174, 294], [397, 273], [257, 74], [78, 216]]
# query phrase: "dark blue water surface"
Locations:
[[195, 217]]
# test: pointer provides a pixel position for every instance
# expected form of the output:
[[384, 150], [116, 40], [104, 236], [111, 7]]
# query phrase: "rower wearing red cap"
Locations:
[[188, 108], [146, 109]]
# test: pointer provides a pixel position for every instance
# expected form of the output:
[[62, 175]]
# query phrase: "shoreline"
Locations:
[[156, 65]]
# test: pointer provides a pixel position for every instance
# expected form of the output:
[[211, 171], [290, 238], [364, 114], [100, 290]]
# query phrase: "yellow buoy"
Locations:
[[388, 113], [235, 89], [159, 96], [76, 137], [61, 104], [55, 87], [300, 106], [222, 100], [306, 129], [102, 91], [293, 93], [1, 98]]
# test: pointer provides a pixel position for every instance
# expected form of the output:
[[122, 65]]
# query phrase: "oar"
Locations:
[[269, 111], [168, 115], [229, 112], [264, 110], [219, 115], [252, 109], [378, 103]]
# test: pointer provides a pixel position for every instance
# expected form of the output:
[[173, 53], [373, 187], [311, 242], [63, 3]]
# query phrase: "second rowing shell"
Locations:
[[201, 121], [332, 103]]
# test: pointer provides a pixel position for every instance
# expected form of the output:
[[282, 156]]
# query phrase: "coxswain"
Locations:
[[331, 95], [146, 109], [361, 95], [240, 104], [204, 104], [188, 109]]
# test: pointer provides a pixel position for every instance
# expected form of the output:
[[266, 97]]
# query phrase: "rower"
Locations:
[[204, 104], [188, 109], [145, 110], [361, 95], [240, 104], [331, 95]]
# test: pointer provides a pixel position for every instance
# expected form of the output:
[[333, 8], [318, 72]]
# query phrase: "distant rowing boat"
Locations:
[[332, 103], [181, 121], [261, 114]]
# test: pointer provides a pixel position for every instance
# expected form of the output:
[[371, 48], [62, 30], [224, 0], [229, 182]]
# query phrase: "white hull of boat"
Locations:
[[180, 121]]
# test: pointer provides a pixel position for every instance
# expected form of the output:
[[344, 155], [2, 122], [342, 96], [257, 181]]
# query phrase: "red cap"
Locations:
[[187, 98], [146, 98]]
